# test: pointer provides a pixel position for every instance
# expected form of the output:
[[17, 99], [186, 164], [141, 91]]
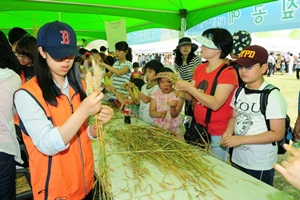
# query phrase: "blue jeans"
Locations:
[[217, 149], [266, 176], [7, 177]]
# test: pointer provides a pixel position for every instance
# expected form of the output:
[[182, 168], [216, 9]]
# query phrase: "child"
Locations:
[[165, 106], [150, 70], [253, 151], [136, 73], [53, 110]]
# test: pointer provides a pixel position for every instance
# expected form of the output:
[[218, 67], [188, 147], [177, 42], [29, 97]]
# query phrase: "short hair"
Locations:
[[135, 64], [138, 82], [103, 48], [82, 51], [154, 65], [15, 34], [165, 69], [94, 51], [222, 38]]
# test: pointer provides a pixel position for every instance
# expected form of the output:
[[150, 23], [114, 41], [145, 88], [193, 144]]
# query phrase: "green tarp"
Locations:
[[87, 17]]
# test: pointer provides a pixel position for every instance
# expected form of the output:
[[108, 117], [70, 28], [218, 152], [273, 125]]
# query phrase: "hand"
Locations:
[[110, 88], [105, 114], [182, 85], [128, 86], [164, 113], [92, 103], [290, 168], [173, 103], [225, 135], [231, 141]]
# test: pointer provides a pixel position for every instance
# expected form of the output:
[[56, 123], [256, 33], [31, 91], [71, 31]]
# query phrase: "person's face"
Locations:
[[136, 69], [24, 60], [120, 54], [252, 73], [165, 85], [58, 67], [208, 53], [150, 74], [185, 49]]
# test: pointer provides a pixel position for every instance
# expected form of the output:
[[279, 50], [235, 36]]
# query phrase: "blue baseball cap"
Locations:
[[58, 39]]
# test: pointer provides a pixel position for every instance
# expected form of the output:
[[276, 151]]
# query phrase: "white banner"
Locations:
[[115, 32]]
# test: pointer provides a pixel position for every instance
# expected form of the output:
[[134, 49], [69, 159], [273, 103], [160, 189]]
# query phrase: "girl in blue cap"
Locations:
[[53, 109]]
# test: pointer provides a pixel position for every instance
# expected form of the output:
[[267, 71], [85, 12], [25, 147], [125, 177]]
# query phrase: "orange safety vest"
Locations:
[[69, 174]]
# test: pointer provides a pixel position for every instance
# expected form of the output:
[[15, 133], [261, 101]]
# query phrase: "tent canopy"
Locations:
[[87, 17]]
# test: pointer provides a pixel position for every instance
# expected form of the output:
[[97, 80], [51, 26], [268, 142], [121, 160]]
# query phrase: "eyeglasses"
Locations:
[[246, 67], [20, 56]]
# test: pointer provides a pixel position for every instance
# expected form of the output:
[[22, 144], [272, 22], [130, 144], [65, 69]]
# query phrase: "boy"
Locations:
[[253, 151], [136, 73]]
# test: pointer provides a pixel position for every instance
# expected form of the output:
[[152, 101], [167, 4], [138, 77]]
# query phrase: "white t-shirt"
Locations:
[[250, 121], [144, 107]]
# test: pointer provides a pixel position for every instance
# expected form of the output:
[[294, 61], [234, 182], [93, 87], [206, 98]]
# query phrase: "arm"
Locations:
[[275, 134], [130, 87], [175, 107], [144, 98], [230, 128], [121, 98], [112, 70], [222, 93], [297, 128], [153, 112], [47, 138]]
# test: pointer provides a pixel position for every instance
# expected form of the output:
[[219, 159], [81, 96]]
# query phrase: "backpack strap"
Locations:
[[264, 102], [237, 92], [212, 92]]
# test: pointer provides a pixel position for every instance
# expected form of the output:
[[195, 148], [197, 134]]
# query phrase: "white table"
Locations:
[[238, 185]]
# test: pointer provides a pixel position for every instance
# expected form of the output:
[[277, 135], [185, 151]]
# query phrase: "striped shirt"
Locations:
[[187, 71], [118, 81]]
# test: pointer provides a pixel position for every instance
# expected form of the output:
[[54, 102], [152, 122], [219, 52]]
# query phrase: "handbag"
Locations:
[[197, 134]]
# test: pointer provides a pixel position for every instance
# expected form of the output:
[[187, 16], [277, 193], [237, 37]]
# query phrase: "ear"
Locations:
[[264, 68], [42, 52]]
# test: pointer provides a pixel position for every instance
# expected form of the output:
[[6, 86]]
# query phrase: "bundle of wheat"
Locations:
[[94, 81], [146, 146]]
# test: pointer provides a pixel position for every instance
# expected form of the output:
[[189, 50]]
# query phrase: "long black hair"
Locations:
[[27, 46], [178, 55], [7, 57], [47, 84], [123, 46]]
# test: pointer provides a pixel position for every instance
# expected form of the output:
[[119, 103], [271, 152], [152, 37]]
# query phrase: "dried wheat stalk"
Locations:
[[94, 81], [144, 145]]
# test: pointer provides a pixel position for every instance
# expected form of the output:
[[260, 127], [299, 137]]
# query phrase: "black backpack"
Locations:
[[263, 105]]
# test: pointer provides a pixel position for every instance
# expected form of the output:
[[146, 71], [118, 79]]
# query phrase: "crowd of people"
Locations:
[[46, 104]]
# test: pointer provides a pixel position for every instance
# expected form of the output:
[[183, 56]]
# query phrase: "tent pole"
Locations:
[[183, 13]]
